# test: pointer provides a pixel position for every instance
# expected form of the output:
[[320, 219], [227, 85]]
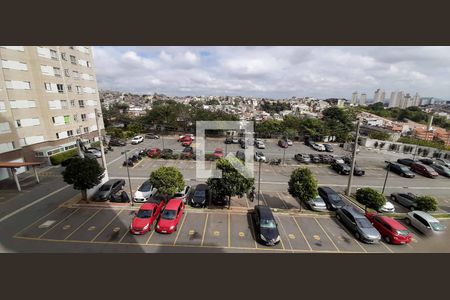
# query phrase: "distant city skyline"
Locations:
[[274, 72]]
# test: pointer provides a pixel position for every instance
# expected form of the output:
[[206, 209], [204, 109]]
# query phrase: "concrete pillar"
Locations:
[[16, 179], [36, 174]]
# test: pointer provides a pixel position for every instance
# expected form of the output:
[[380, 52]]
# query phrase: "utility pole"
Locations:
[[259, 180], [102, 150], [129, 180], [388, 167], [350, 178]]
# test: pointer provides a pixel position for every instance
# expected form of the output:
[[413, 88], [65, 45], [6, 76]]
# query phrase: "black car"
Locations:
[[240, 154], [151, 136], [358, 171], [283, 143], [166, 153], [328, 147], [347, 160], [187, 152], [229, 140], [400, 170], [200, 197], [406, 161], [427, 161], [308, 141], [342, 169], [325, 158], [108, 189], [332, 199], [117, 142], [314, 158], [243, 144], [266, 228]]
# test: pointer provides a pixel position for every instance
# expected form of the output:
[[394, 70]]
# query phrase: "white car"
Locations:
[[318, 147], [144, 192], [183, 194], [259, 156], [388, 207], [192, 136], [289, 142], [424, 222], [97, 153], [260, 145], [137, 139]]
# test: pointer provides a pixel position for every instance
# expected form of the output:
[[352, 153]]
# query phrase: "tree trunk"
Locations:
[[229, 202], [84, 195]]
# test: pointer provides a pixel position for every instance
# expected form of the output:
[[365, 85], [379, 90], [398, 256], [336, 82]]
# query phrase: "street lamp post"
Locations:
[[129, 179], [350, 178], [388, 167]]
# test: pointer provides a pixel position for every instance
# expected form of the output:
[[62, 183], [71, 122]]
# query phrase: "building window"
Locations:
[[78, 130], [72, 103], [75, 117], [18, 124], [67, 72], [69, 87], [63, 56], [75, 75], [79, 89], [48, 86], [86, 129], [88, 64], [60, 88], [69, 133], [73, 59], [64, 104], [81, 103], [54, 54], [57, 71], [83, 117], [66, 120]]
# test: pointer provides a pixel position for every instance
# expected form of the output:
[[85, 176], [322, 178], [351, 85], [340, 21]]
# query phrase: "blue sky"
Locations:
[[275, 72]]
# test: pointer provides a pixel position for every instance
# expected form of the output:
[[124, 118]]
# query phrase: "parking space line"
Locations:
[[204, 229], [229, 225], [56, 225], [386, 246], [326, 233], [125, 234], [301, 231], [35, 222], [282, 200], [103, 229], [93, 215], [282, 227], [179, 230], [264, 199], [151, 234]]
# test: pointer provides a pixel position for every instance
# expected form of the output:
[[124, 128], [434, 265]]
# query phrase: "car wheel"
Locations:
[[412, 208], [407, 221], [387, 239], [357, 235]]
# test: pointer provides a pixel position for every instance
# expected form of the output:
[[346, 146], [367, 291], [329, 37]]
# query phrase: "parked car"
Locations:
[[318, 147], [145, 217], [442, 161], [308, 142], [314, 158], [137, 139], [424, 170], [391, 230], [325, 158], [144, 192], [408, 200], [289, 142], [424, 222], [303, 158], [406, 161], [166, 153], [235, 139], [338, 160], [218, 153], [243, 144], [388, 207], [186, 142], [259, 156], [200, 196], [109, 188], [358, 171], [151, 136], [266, 228], [328, 147], [342, 169], [240, 154], [317, 204], [117, 142], [441, 170], [283, 144], [154, 152], [427, 161], [347, 160], [183, 194], [332, 199], [260, 145], [120, 198], [356, 222], [186, 136], [96, 152], [402, 170], [170, 216], [187, 152], [228, 140]]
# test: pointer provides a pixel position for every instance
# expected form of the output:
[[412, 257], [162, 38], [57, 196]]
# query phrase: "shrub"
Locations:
[[375, 145], [56, 159], [303, 184], [210, 157], [383, 136], [370, 198], [426, 203], [392, 147]]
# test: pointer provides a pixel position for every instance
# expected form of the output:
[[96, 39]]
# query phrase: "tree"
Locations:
[[232, 183], [168, 180], [84, 174], [339, 121], [302, 184], [370, 198], [426, 203], [383, 136]]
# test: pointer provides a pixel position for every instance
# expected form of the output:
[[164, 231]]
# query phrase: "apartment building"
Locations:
[[48, 95]]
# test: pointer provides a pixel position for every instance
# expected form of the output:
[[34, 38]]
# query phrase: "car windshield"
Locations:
[[169, 214], [404, 169], [437, 226], [105, 187], [144, 214], [145, 187], [335, 198], [402, 232], [363, 223], [265, 223]]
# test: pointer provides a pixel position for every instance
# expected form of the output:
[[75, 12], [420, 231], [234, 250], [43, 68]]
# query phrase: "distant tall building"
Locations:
[[379, 96], [396, 99], [363, 99], [407, 101], [354, 98], [416, 100]]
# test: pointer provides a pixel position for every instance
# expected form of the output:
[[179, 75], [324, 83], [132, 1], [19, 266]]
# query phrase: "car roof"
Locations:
[[201, 187], [424, 215], [392, 222], [173, 203], [353, 211], [327, 190], [264, 211]]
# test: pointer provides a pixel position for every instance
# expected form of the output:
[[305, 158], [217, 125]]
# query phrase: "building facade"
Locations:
[[48, 95], [379, 96], [355, 97]]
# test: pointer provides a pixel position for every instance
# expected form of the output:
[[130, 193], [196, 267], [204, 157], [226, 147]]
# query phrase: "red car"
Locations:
[[154, 152], [187, 142], [185, 138], [391, 230], [423, 170], [218, 153], [170, 217], [145, 217]]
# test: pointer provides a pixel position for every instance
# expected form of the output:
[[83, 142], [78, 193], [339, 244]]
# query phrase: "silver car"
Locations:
[[317, 204], [259, 156], [97, 153], [424, 222], [357, 223]]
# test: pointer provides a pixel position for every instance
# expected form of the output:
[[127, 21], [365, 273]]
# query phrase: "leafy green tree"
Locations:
[[339, 121], [168, 180], [302, 184], [232, 183], [426, 203], [377, 135], [83, 174], [370, 198]]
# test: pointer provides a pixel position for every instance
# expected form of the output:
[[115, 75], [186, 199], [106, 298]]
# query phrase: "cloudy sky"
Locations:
[[276, 72]]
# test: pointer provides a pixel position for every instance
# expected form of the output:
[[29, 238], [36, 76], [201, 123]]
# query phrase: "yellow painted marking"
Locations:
[[329, 236], [103, 229], [191, 232], [179, 229], [291, 236], [83, 224], [116, 229], [316, 237], [65, 227], [204, 229], [148, 240], [241, 234], [414, 240], [301, 231], [216, 233], [92, 228]]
